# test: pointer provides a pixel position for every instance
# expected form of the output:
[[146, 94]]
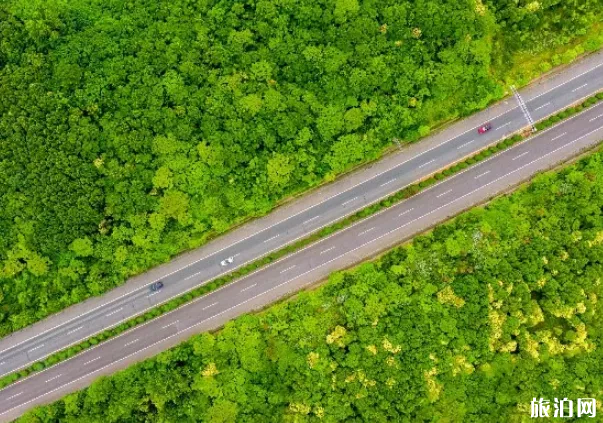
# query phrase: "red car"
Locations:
[[484, 128]]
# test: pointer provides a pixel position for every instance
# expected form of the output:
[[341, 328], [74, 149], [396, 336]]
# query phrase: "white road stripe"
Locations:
[[595, 118], [444, 193], [580, 87], [464, 145], [521, 155], [287, 269], [349, 201], [425, 164], [311, 219], [249, 287], [35, 348], [367, 231], [482, 174], [153, 293], [407, 211], [173, 323], [74, 330], [544, 105], [388, 182], [558, 136], [113, 312], [11, 397], [211, 305], [503, 125], [131, 342], [274, 237], [327, 250], [53, 378], [90, 361]]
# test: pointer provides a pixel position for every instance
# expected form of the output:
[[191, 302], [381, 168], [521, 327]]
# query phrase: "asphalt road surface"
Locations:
[[376, 233], [300, 268]]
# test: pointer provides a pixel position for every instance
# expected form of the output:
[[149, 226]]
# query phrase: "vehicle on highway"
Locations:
[[227, 261], [484, 128], [156, 286]]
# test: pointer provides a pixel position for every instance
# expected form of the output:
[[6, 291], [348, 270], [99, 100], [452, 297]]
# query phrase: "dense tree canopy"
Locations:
[[133, 130], [465, 324]]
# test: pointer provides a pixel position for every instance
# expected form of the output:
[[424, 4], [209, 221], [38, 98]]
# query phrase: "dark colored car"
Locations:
[[484, 128], [156, 286]]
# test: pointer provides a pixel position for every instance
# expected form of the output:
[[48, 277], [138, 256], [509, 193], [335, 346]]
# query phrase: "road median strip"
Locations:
[[389, 201]]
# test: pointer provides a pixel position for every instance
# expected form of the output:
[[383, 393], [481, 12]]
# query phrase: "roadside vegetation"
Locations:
[[132, 131], [465, 324]]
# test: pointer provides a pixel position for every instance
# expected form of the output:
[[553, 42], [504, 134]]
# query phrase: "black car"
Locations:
[[156, 286]]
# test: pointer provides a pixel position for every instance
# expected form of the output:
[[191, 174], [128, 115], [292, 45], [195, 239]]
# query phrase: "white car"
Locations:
[[227, 261]]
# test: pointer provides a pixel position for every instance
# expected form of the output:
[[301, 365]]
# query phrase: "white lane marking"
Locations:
[[131, 342], [11, 397], [113, 312], [168, 325], [558, 136], [211, 305], [595, 118], [327, 250], [464, 145], [296, 277], [287, 269], [521, 155], [249, 287], [2, 363], [53, 378], [153, 293], [311, 219], [290, 217], [90, 361], [444, 193], [74, 330], [544, 105], [407, 211], [349, 201], [482, 174], [503, 125], [425, 164], [367, 231], [274, 237], [388, 182], [579, 88], [35, 348]]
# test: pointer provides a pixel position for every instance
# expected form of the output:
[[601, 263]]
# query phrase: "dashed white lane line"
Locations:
[[349, 201], [249, 287], [2, 363], [503, 125], [113, 312], [558, 136], [131, 342], [211, 305], [444, 193], [464, 145], [406, 211], [388, 182], [170, 324], [90, 361], [520, 156], [579, 88], [482, 174], [367, 231], [287, 269], [311, 219], [544, 105], [274, 237], [14, 396], [74, 330], [153, 293], [35, 348], [53, 378], [595, 118], [327, 250], [425, 164]]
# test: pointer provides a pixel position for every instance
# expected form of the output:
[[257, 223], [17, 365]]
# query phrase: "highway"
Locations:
[[363, 239], [297, 269]]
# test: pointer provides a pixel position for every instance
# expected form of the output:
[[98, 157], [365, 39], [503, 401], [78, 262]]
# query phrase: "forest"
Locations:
[[131, 131], [466, 323]]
